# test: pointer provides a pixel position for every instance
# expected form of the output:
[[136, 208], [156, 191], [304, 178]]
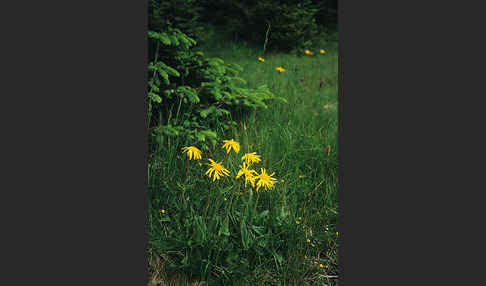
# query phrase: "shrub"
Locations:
[[191, 96]]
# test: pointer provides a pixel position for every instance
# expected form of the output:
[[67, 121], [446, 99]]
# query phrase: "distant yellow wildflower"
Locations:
[[307, 52], [313, 245], [192, 151], [321, 266], [261, 59], [251, 158], [280, 69], [322, 51], [265, 180], [308, 240], [217, 170], [228, 144], [249, 174], [162, 211]]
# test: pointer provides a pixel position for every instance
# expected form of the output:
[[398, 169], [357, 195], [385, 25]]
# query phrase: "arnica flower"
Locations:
[[322, 51], [250, 158], [265, 180], [228, 144], [261, 59], [307, 52], [192, 151], [250, 175], [280, 69], [216, 170]]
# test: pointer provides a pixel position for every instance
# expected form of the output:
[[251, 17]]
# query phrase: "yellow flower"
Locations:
[[191, 150], [313, 245], [307, 52], [217, 170], [162, 211], [280, 69], [321, 266], [228, 144], [261, 59], [225, 199], [322, 51], [251, 158], [249, 174], [265, 180], [308, 240]]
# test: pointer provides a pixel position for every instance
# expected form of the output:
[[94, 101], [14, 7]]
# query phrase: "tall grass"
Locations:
[[223, 233]]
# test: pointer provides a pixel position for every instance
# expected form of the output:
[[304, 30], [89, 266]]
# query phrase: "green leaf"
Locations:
[[204, 113], [165, 76], [244, 235], [155, 97], [224, 229], [200, 137], [172, 71]]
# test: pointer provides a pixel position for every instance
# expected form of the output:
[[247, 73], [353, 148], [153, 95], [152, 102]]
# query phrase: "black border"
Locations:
[[77, 141]]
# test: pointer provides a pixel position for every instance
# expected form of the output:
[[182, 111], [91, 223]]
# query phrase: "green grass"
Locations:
[[253, 237]]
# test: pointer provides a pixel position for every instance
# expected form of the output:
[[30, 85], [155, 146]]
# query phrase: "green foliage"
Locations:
[[257, 238], [219, 229], [184, 15], [295, 25], [192, 96], [291, 25], [220, 232]]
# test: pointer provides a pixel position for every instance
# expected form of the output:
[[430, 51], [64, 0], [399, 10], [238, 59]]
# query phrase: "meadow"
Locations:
[[204, 231]]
